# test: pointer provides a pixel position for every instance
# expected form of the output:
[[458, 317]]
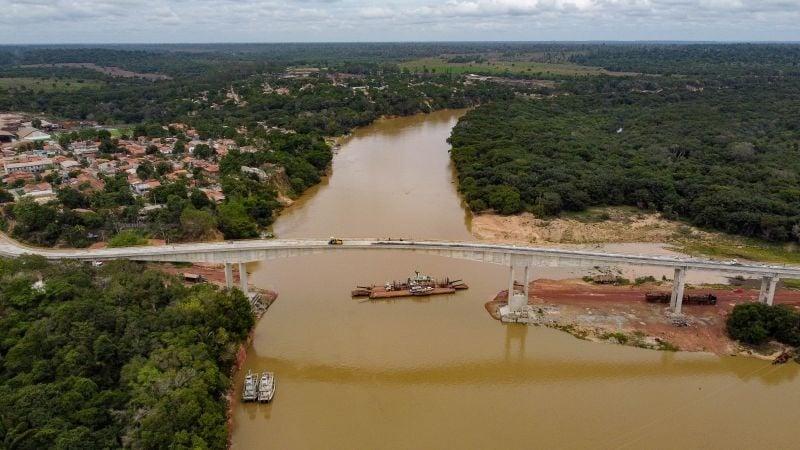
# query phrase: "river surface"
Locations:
[[439, 372]]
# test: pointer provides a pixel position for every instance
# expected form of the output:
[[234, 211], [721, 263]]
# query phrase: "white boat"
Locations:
[[250, 390], [266, 387], [421, 290]]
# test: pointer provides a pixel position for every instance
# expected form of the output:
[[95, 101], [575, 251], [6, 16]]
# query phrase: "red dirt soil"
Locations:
[[600, 309]]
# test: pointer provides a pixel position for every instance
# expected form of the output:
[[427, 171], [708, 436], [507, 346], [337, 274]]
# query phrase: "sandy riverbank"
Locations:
[[601, 225], [604, 313]]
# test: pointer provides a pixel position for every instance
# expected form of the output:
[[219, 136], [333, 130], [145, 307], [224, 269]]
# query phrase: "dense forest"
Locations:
[[719, 152], [116, 357], [716, 61]]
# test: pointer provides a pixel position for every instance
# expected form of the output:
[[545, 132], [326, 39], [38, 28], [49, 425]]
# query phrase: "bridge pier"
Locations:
[[527, 282], [243, 277], [767, 293], [510, 282], [229, 275], [517, 301], [678, 283]]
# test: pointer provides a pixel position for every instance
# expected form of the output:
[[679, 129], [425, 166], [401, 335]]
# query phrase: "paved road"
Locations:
[[254, 250]]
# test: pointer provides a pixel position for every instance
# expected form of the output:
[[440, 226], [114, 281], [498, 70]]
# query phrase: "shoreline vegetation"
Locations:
[[114, 356]]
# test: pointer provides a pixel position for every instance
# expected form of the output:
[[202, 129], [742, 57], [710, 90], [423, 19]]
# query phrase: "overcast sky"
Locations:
[[153, 21]]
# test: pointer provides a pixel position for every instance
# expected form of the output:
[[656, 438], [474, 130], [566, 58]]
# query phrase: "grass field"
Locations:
[[748, 249], [49, 84], [500, 67]]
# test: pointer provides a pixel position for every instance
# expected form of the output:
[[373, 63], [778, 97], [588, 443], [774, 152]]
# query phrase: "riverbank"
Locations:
[[620, 314], [611, 225], [213, 273], [596, 225]]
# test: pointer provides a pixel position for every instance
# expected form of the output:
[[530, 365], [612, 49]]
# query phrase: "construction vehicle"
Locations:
[[664, 297], [334, 241]]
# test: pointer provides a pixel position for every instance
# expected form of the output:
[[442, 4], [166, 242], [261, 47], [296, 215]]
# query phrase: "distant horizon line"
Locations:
[[597, 41]]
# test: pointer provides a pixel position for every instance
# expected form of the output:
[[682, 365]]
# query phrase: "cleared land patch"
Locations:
[[110, 71], [503, 67], [49, 84]]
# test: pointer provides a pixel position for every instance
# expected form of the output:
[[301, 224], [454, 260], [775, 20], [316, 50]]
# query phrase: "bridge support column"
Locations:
[[527, 281], [678, 283], [243, 277], [762, 294], [229, 275], [773, 283], [510, 282], [767, 292]]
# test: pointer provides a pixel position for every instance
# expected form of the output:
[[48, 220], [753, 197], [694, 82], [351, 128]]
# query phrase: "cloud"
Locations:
[[44, 21]]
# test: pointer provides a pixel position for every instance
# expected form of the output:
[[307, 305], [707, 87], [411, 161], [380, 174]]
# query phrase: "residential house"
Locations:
[[34, 165], [32, 134], [143, 187], [214, 195]]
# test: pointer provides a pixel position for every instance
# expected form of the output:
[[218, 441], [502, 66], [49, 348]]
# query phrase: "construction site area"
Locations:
[[623, 314]]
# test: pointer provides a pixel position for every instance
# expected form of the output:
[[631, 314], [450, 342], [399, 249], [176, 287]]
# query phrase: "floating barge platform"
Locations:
[[416, 286]]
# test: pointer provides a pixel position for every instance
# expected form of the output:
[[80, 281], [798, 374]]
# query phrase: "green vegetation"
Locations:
[[502, 67], [127, 239], [747, 249], [791, 283], [756, 323], [717, 61], [43, 85], [119, 357], [667, 346], [642, 280], [621, 338], [724, 158]]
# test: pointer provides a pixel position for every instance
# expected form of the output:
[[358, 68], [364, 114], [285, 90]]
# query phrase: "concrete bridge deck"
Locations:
[[513, 256]]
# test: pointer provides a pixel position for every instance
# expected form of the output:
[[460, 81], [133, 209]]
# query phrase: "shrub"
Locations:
[[755, 323], [127, 239]]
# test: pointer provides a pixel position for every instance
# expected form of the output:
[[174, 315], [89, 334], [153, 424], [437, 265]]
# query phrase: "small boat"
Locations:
[[250, 391], [782, 358], [421, 290], [266, 387]]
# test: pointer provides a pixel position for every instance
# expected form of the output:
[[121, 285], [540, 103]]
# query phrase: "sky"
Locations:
[[195, 21]]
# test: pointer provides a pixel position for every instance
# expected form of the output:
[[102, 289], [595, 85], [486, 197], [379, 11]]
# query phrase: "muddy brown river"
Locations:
[[438, 372]]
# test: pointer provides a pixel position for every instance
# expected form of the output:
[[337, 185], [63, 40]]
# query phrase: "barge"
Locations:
[[266, 387], [416, 286], [260, 389], [250, 390]]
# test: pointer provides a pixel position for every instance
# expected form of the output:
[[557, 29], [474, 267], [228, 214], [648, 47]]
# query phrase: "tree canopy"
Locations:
[[116, 357]]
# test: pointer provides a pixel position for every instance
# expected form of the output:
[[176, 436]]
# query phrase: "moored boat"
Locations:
[[416, 285], [250, 390], [266, 387]]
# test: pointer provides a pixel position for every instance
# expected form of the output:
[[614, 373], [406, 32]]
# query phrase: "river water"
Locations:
[[439, 372]]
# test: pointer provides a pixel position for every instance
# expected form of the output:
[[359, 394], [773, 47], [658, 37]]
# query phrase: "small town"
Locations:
[[36, 165], [49, 162]]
